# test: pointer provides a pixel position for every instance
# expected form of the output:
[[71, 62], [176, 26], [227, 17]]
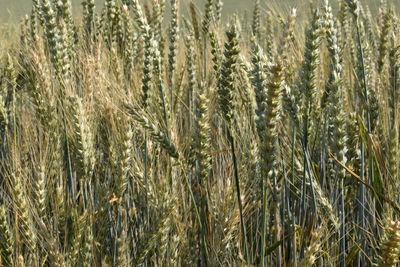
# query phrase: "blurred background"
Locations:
[[12, 11]]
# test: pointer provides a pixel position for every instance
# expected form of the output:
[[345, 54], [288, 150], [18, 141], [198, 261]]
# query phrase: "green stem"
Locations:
[[236, 176]]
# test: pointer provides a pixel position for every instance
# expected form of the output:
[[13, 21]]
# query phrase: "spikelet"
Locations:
[[41, 81], [64, 53], [334, 91], [367, 21], [173, 42], [33, 27], [393, 142], [153, 238], [288, 36], [201, 144], [195, 22], [191, 64], [162, 100], [216, 55], [60, 204], [313, 249], [353, 142], [124, 165], [308, 72], [148, 65], [218, 11], [89, 18], [269, 149], [374, 110], [393, 157], [37, 9], [140, 18], [324, 206], [272, 117], [384, 39], [335, 69], [382, 10], [208, 17], [336, 117], [55, 257], [344, 20], [65, 14], [394, 59], [246, 91], [41, 191], [6, 244], [158, 136], [24, 35], [256, 19], [20, 262], [4, 119], [390, 244], [76, 249], [269, 36], [115, 64], [51, 29], [204, 140], [58, 41], [129, 40], [226, 82], [84, 141], [26, 226], [259, 80], [354, 8], [110, 22], [289, 95], [45, 107], [158, 16]]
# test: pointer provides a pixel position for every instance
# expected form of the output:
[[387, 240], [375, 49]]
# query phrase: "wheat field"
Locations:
[[179, 133]]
